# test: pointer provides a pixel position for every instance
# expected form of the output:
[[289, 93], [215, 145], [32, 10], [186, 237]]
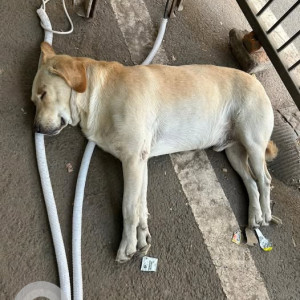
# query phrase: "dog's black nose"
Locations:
[[37, 128]]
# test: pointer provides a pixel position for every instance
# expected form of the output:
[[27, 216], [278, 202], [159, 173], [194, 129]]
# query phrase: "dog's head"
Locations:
[[51, 90]]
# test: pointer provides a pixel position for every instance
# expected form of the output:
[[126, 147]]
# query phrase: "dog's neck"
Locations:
[[73, 107], [90, 101]]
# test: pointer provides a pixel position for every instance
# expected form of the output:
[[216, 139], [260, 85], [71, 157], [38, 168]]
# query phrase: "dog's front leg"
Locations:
[[133, 171], [143, 234]]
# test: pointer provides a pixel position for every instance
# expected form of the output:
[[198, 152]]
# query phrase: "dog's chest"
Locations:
[[108, 144]]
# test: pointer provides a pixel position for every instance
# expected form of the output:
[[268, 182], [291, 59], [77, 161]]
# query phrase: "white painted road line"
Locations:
[[234, 264], [137, 29]]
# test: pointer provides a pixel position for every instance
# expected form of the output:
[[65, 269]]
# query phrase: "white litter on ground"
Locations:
[[149, 264], [264, 243]]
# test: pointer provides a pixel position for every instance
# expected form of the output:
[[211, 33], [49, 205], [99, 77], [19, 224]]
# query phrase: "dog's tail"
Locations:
[[271, 151]]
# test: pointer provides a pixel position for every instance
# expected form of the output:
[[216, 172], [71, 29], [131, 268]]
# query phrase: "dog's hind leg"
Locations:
[[143, 234], [258, 165], [238, 157]]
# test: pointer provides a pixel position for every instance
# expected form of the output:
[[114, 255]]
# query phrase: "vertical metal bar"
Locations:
[[264, 8], [84, 8], [288, 41], [283, 17]]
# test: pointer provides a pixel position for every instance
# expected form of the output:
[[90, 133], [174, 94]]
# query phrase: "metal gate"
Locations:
[[277, 44]]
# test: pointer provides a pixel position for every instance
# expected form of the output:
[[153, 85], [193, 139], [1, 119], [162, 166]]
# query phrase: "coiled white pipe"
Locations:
[[62, 264], [79, 194], [43, 7]]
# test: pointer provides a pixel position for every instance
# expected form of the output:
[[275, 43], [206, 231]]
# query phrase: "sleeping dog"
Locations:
[[139, 112]]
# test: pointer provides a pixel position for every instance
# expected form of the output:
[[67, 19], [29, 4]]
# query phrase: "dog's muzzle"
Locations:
[[49, 131]]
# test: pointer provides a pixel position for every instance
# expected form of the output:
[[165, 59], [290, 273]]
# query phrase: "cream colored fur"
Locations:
[[139, 112]]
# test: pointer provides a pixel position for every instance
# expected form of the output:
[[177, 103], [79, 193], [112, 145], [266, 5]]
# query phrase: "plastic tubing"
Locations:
[[157, 43], [62, 264], [77, 221]]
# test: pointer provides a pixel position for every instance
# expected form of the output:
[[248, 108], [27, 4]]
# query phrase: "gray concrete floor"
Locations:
[[198, 35]]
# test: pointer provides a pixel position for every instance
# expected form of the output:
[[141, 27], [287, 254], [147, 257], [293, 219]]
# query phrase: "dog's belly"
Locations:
[[185, 138], [168, 148]]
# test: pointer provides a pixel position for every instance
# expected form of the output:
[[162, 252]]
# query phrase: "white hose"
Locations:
[[46, 28], [62, 264], [157, 43], [46, 22], [79, 194], [77, 221]]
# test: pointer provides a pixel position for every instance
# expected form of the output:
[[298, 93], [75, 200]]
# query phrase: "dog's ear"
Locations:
[[73, 71], [47, 51]]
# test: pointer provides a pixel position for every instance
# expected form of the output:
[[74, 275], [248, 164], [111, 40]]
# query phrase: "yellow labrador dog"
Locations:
[[139, 112]]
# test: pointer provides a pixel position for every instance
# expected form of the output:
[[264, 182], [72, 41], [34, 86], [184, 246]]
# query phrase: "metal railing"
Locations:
[[282, 66]]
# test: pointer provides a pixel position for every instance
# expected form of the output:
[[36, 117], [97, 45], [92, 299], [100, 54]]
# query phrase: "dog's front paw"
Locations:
[[255, 217], [126, 250], [144, 240]]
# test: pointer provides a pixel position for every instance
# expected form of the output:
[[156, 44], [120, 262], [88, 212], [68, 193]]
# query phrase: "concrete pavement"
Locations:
[[186, 269]]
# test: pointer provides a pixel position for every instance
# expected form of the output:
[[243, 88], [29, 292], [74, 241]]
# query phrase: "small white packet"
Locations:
[[149, 264], [264, 243]]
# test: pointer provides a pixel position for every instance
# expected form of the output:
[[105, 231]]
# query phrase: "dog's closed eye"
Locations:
[[43, 95]]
